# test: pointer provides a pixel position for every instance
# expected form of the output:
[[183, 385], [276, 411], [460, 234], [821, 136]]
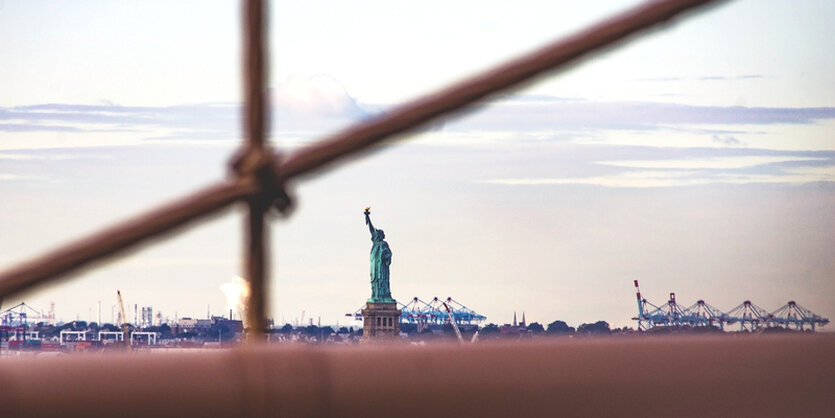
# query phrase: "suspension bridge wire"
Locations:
[[116, 239]]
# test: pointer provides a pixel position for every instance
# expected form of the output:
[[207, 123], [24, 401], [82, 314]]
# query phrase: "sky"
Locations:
[[699, 159]]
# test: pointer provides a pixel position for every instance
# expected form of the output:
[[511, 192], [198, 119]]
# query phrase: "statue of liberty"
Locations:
[[380, 262]]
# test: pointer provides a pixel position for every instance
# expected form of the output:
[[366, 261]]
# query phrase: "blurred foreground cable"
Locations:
[[351, 141]]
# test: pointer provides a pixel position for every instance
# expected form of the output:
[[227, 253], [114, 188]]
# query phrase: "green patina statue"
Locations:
[[380, 262]]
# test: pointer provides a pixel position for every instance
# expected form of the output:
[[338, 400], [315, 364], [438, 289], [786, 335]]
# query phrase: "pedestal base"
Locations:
[[380, 321]]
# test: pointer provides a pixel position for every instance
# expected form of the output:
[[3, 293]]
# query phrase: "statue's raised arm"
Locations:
[[368, 222]]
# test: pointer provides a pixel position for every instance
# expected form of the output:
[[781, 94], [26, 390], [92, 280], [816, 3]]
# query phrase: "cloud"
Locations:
[[703, 78], [8, 176], [315, 97], [304, 109], [631, 179], [25, 156], [35, 127], [730, 162], [727, 140], [661, 178], [156, 262], [800, 175], [661, 167], [209, 117], [591, 116], [300, 106], [531, 98]]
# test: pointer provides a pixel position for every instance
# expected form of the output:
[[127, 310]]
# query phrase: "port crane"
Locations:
[[750, 317], [454, 325], [125, 325]]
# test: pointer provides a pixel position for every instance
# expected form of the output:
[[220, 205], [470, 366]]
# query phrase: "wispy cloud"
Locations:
[[301, 107], [673, 168], [9, 176], [37, 127], [28, 156], [798, 175], [732, 162], [156, 262], [319, 96], [595, 116], [632, 179], [662, 178], [726, 140], [304, 109], [704, 78]]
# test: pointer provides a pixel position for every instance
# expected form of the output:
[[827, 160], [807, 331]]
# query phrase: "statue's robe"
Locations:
[[380, 262]]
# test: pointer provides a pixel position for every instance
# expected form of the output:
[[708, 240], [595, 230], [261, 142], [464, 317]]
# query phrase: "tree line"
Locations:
[[556, 328]]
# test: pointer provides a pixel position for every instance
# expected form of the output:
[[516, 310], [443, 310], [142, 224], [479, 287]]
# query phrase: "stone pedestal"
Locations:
[[380, 321]]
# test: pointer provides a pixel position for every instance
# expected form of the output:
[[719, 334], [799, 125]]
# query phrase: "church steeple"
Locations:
[[514, 319]]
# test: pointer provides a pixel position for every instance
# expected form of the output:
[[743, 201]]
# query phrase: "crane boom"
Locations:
[[454, 325], [125, 326]]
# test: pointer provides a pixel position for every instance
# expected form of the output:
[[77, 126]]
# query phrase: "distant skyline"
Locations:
[[699, 159]]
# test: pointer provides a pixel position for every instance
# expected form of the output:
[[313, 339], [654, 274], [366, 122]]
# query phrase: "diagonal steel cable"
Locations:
[[122, 236], [508, 75], [411, 115]]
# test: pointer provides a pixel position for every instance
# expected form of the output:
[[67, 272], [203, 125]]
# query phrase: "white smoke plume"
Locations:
[[237, 293]]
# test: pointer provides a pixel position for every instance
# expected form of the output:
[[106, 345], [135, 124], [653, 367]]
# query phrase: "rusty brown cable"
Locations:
[[409, 116], [416, 113], [256, 231], [126, 234]]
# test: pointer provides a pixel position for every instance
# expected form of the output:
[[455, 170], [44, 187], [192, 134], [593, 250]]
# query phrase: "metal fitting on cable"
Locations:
[[261, 164]]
